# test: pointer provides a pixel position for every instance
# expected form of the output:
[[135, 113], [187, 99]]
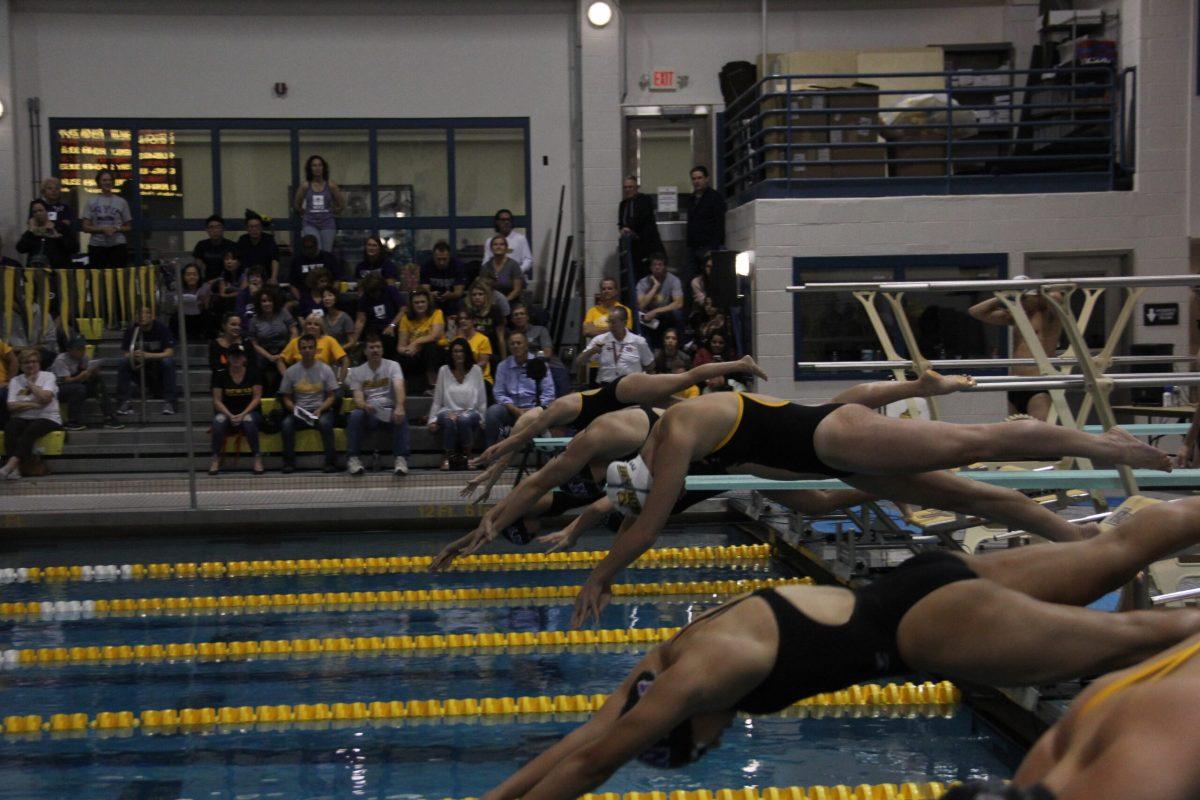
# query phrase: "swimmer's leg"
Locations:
[[878, 394], [819, 501], [977, 630], [857, 440], [1038, 406], [641, 388], [949, 492], [1081, 572]]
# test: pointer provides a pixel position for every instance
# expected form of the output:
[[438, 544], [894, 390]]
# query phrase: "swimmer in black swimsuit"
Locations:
[[902, 460], [1008, 618], [580, 409]]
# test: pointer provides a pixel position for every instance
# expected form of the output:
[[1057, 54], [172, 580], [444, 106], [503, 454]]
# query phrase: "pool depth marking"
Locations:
[[363, 601], [931, 699], [652, 559]]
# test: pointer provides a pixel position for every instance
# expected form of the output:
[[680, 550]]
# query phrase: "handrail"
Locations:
[[975, 363], [1171, 597], [996, 285]]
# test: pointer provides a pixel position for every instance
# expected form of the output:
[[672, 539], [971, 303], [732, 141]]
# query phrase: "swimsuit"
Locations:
[[595, 402], [813, 657], [1148, 672], [776, 434]]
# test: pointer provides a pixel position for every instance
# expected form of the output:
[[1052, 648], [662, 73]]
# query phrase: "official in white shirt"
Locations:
[[620, 351], [518, 245]]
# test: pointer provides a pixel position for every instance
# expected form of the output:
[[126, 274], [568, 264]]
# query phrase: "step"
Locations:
[[139, 440], [308, 464], [415, 408]]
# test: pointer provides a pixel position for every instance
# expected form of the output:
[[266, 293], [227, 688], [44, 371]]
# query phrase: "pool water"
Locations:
[[450, 758]]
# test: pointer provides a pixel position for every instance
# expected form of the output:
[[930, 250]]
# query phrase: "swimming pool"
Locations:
[[392, 648]]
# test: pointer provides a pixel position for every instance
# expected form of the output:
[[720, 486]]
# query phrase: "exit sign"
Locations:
[[662, 80]]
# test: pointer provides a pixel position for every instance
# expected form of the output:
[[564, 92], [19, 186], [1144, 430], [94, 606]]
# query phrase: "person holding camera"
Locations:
[[522, 384]]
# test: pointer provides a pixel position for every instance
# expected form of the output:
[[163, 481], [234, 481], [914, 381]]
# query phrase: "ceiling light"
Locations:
[[599, 13]]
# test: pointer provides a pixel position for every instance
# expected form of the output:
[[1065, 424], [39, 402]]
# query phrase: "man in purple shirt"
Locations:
[[522, 383]]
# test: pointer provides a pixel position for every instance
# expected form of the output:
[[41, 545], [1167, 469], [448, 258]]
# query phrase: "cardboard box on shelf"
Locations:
[[876, 154], [854, 115], [804, 163], [911, 144]]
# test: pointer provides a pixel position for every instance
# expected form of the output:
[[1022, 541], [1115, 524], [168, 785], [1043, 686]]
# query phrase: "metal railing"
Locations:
[[1061, 129]]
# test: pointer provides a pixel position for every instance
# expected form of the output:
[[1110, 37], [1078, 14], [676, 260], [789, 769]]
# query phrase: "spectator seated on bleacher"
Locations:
[[338, 323], [229, 335], [34, 328], [308, 392], [231, 281], [522, 383], [237, 397], [378, 386], [312, 291], [717, 349], [329, 351], [270, 329], [707, 319], [78, 379], [502, 272], [147, 347], [537, 335], [700, 283], [32, 413], [487, 316], [210, 252], [670, 360], [445, 278], [375, 261], [379, 308], [459, 403], [197, 304], [659, 300], [258, 248], [481, 346], [243, 303], [310, 259], [58, 211], [620, 352], [421, 327], [595, 322], [8, 368]]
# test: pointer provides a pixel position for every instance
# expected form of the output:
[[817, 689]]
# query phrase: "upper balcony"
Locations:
[[1066, 129]]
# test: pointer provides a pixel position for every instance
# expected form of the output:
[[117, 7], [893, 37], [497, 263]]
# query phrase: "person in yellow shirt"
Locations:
[[328, 349], [596, 320], [481, 346], [8, 368], [421, 326]]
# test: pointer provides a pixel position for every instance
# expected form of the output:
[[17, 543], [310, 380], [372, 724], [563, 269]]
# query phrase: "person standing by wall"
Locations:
[[635, 219], [518, 245], [705, 223], [106, 217], [318, 200], [58, 211]]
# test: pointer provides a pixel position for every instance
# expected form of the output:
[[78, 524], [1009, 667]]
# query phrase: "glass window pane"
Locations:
[[348, 155], [175, 170], [940, 320], [255, 173], [489, 171], [471, 243], [665, 159], [413, 161], [833, 326]]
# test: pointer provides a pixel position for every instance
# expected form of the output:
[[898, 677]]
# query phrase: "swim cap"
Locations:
[[677, 748], [628, 485], [517, 533]]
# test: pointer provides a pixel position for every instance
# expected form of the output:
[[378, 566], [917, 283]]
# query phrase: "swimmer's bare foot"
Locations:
[[933, 384], [750, 365], [1133, 452]]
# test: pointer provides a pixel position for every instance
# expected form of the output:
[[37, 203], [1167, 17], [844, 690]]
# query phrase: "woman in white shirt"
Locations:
[[33, 412], [459, 401]]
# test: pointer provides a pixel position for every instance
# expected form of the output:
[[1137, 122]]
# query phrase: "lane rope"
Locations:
[[652, 559], [361, 601], [931, 699], [881, 791]]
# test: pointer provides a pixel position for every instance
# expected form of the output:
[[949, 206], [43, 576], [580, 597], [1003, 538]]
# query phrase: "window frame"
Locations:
[[450, 221], [899, 266]]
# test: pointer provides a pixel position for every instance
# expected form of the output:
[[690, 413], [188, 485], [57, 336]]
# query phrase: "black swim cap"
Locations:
[[677, 748], [517, 533]]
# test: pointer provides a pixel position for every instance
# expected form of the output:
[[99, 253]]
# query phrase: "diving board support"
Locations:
[[1175, 597], [920, 363], [867, 299]]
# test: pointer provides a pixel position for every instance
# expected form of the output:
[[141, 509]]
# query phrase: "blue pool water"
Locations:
[[407, 759]]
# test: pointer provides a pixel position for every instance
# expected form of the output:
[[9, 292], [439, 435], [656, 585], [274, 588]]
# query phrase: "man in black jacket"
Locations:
[[705, 224], [635, 218]]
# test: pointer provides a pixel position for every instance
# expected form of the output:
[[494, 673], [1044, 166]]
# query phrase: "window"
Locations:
[[412, 181], [834, 326]]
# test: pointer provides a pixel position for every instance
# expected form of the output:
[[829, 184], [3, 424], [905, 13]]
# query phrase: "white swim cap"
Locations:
[[628, 485]]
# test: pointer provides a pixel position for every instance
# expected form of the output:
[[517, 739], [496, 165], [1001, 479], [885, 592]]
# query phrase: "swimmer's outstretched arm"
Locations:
[[637, 534], [878, 394], [643, 388], [590, 517], [531, 424]]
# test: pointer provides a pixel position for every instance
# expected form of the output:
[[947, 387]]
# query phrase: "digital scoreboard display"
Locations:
[[82, 152]]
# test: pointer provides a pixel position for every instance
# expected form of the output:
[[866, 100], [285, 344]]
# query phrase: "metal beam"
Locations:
[[975, 363], [1025, 284], [1172, 597], [1012, 479]]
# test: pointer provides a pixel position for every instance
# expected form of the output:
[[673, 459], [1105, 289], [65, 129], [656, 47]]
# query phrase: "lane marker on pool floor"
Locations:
[[664, 557], [364, 601], [892, 699]]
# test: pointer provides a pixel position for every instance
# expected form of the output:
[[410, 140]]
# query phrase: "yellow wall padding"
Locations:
[[148, 294], [44, 285], [81, 277], [10, 288], [109, 311], [30, 334], [64, 298]]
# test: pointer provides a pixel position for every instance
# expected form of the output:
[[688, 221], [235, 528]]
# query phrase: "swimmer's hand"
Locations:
[[592, 599], [561, 540], [487, 456], [485, 481], [463, 546]]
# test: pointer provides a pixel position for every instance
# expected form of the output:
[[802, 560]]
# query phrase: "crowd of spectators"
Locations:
[[303, 341]]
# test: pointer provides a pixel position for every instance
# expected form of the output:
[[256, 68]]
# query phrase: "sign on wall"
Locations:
[[1160, 313]]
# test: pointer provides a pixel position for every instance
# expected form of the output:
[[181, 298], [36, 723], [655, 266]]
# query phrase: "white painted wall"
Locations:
[[8, 136], [363, 58]]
